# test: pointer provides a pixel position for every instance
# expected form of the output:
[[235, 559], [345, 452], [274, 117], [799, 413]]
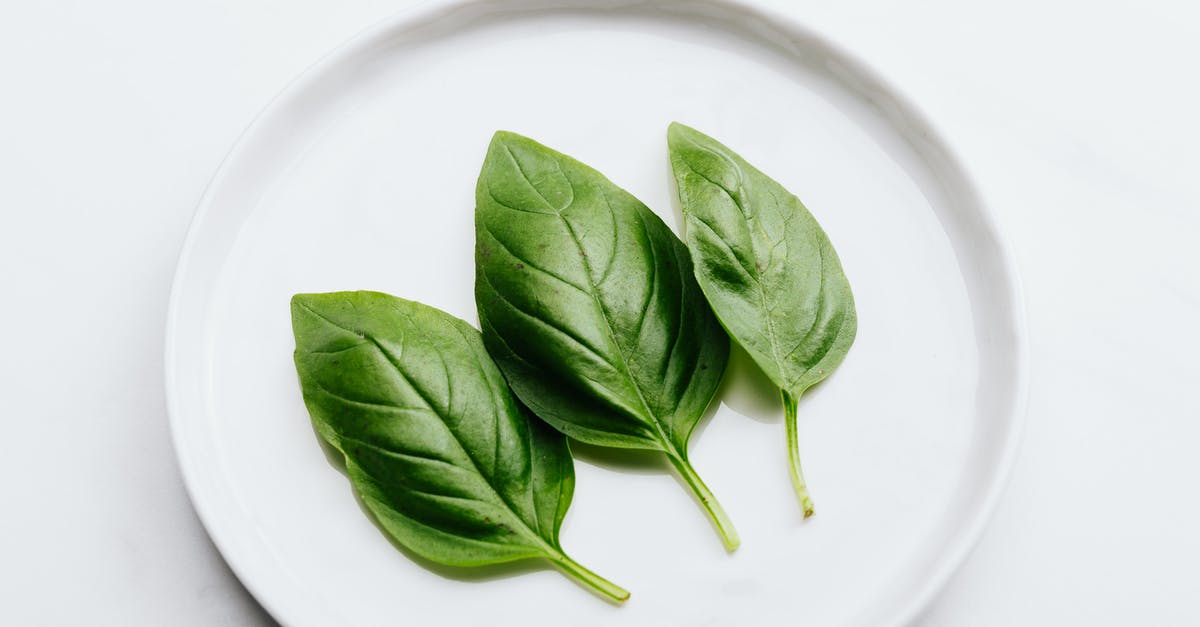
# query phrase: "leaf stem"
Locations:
[[716, 513], [588, 579], [789, 419]]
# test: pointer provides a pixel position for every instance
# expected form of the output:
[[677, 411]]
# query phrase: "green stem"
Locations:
[[789, 419], [716, 513], [588, 579]]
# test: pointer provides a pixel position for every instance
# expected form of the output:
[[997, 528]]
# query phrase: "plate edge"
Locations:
[[431, 10]]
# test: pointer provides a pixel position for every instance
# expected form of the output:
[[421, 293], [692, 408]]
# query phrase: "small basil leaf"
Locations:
[[767, 269], [588, 304], [440, 451]]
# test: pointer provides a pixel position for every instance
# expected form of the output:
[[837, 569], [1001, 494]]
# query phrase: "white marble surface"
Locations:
[[1078, 119]]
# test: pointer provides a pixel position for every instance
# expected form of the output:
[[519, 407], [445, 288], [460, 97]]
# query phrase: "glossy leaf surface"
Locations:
[[588, 303], [767, 268], [440, 451]]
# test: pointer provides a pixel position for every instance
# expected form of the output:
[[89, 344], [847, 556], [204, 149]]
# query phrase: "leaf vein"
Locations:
[[579, 341], [500, 496], [528, 263], [653, 418]]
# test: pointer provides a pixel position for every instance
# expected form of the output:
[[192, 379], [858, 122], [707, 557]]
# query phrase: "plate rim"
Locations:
[[428, 11]]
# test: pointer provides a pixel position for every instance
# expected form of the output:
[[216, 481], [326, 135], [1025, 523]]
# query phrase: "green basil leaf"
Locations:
[[588, 304], [767, 269], [440, 451]]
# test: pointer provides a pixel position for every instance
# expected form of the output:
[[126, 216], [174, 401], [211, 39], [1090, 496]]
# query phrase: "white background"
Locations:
[[1080, 120]]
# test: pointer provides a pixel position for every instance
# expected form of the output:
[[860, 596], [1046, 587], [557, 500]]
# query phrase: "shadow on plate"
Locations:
[[747, 391]]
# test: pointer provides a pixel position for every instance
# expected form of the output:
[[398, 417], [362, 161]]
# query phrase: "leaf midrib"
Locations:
[[624, 361], [532, 535], [789, 382], [454, 436], [755, 274], [655, 421]]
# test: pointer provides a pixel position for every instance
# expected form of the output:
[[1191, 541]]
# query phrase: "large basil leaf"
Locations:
[[434, 442], [588, 304], [767, 269]]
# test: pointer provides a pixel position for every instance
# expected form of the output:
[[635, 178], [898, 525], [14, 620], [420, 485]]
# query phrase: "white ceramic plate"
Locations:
[[361, 176]]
